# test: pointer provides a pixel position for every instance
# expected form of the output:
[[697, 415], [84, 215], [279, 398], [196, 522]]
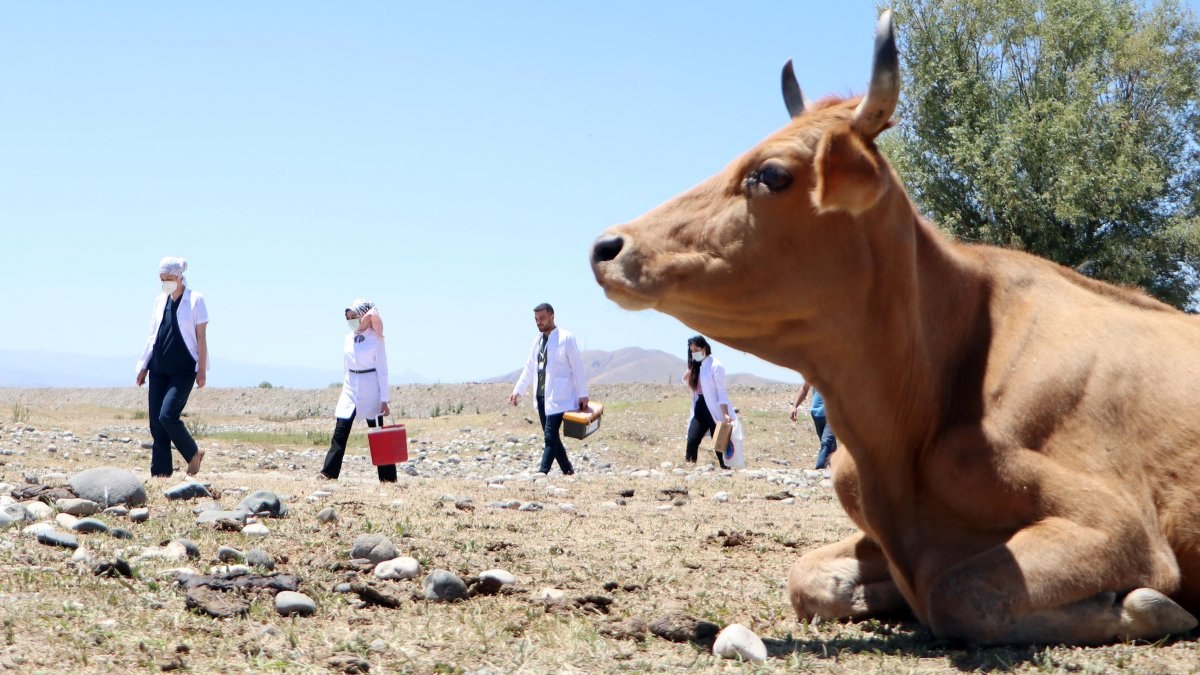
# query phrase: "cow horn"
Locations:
[[877, 106], [793, 98]]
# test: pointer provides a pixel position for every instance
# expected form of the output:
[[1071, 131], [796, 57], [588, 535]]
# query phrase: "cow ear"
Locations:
[[851, 175]]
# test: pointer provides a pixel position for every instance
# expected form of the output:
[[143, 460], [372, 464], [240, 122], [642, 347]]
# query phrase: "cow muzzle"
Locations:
[[607, 248], [620, 275]]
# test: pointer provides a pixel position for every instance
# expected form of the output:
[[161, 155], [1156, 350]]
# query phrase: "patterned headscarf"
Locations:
[[366, 310], [360, 307]]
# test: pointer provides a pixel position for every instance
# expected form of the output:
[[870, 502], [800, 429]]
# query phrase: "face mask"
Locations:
[[698, 356], [353, 324], [169, 286]]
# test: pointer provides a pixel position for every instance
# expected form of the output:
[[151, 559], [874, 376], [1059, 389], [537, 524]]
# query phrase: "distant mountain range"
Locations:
[[634, 364], [39, 368]]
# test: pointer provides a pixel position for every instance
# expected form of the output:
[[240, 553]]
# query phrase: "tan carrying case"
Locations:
[[583, 423]]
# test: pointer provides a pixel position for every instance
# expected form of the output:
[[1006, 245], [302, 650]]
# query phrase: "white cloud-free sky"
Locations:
[[450, 161]]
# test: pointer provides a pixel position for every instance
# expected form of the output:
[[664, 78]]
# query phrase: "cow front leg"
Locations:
[[848, 579], [1058, 582]]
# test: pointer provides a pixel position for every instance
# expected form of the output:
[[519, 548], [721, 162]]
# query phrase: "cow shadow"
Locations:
[[907, 639]]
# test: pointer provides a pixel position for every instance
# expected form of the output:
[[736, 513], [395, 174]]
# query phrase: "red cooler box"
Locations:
[[389, 444], [583, 423]]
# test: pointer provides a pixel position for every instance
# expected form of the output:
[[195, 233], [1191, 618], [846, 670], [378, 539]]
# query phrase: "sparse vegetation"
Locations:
[[20, 412], [662, 559], [265, 385]]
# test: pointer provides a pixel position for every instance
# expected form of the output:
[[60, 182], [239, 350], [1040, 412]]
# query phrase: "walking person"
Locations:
[[556, 367], [705, 376], [824, 431], [174, 360], [364, 388]]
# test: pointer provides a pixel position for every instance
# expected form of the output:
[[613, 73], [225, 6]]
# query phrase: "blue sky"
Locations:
[[451, 162]]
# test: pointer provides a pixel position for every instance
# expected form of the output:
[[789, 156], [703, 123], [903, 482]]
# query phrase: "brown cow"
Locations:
[[1022, 444]]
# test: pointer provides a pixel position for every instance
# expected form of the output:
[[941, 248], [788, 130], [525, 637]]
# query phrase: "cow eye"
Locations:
[[772, 176]]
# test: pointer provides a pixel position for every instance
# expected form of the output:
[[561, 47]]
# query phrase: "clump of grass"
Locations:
[[20, 412], [197, 428]]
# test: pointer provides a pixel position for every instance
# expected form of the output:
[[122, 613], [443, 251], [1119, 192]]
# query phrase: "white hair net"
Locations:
[[172, 265]]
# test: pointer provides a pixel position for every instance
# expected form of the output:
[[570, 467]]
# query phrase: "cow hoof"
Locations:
[[1150, 615]]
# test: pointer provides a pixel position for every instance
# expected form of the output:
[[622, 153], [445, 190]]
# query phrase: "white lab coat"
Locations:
[[566, 381], [363, 393], [192, 312], [712, 386]]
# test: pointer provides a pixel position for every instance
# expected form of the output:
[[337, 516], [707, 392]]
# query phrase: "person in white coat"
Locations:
[[364, 389], [174, 359], [705, 376], [556, 367]]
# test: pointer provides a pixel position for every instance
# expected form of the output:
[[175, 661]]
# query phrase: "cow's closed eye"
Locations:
[[774, 177]]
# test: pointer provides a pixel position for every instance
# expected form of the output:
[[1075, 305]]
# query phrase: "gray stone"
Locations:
[[444, 586], [89, 526], [139, 515], [56, 538], [736, 641], [328, 515], [229, 554], [39, 511], [16, 512], [6, 521], [373, 547], [256, 530], [120, 533], [210, 517], [193, 551], [77, 507], [342, 588], [502, 577], [398, 568], [263, 502], [260, 558], [109, 485], [188, 490], [289, 603], [207, 505], [117, 511]]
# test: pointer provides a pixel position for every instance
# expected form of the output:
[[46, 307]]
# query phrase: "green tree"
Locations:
[[1066, 128]]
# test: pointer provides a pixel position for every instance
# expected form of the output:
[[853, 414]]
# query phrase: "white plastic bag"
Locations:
[[737, 458]]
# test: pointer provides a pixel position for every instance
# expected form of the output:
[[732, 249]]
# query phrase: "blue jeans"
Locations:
[[168, 395], [554, 450], [828, 441]]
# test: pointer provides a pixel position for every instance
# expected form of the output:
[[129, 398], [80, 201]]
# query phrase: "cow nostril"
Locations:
[[607, 248]]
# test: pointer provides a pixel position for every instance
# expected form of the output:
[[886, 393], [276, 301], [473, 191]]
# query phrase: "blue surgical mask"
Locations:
[[353, 324], [698, 356]]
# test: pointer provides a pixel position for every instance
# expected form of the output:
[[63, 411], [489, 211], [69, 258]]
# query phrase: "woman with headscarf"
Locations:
[[174, 359], [705, 376], [365, 387]]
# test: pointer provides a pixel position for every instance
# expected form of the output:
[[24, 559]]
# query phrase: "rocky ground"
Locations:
[[470, 563]]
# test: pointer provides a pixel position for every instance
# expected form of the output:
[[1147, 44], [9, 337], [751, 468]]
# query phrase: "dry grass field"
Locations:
[[671, 547]]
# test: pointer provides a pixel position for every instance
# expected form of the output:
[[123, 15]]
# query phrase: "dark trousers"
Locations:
[[168, 395], [702, 425], [828, 441], [554, 449], [337, 450]]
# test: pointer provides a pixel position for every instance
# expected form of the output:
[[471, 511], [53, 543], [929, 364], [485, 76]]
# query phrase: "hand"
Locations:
[[384, 409], [728, 419], [201, 378], [513, 398], [141, 376], [795, 409], [583, 403]]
